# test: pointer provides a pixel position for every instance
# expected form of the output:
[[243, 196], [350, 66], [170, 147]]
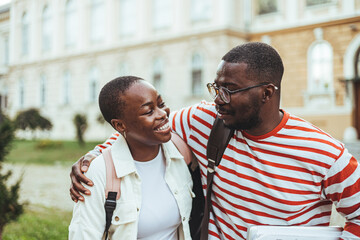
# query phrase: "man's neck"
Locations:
[[270, 122]]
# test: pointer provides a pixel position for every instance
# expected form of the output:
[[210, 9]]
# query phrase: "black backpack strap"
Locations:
[[110, 205], [217, 143]]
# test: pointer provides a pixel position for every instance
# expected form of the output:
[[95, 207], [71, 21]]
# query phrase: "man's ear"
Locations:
[[268, 92], [118, 124]]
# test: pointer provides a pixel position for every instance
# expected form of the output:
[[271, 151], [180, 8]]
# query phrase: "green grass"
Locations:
[[65, 153], [39, 223]]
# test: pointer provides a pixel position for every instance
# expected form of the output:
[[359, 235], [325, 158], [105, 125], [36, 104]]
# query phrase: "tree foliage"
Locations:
[[80, 122], [32, 120], [10, 208]]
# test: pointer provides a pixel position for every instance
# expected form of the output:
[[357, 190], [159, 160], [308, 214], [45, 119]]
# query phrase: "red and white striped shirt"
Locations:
[[289, 176]]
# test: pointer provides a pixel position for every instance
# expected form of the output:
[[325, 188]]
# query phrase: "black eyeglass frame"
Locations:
[[229, 92]]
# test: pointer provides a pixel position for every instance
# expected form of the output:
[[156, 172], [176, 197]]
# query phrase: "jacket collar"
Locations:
[[124, 162]]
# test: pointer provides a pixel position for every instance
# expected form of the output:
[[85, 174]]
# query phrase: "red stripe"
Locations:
[[207, 111], [202, 121], [275, 176], [200, 133], [307, 149], [272, 175], [252, 200], [353, 228], [343, 174], [309, 139], [173, 122], [248, 210], [284, 166], [188, 117], [349, 210], [348, 192], [260, 193], [182, 126]]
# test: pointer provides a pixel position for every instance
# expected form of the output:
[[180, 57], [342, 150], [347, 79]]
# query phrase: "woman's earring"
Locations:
[[124, 134]]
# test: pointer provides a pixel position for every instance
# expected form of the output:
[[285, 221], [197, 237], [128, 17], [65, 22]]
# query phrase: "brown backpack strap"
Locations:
[[217, 143], [185, 150]]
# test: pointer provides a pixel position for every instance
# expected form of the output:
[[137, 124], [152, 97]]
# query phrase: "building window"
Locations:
[[97, 23], [21, 93], [66, 87], [25, 34], [158, 74], [6, 50], [46, 29], [42, 90], [320, 58], [127, 17], [123, 69], [93, 84], [4, 98], [317, 2], [200, 10], [71, 23], [162, 14], [196, 75], [267, 6]]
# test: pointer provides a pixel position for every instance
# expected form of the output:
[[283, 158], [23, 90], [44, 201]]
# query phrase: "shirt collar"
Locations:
[[124, 162]]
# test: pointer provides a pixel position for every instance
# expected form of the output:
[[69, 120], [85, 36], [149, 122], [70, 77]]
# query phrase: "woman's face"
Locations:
[[146, 116]]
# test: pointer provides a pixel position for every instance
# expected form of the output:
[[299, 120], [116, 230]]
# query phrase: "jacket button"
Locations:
[[184, 219], [116, 218], [175, 192]]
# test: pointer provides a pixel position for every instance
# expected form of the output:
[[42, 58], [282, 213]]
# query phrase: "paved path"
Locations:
[[44, 185]]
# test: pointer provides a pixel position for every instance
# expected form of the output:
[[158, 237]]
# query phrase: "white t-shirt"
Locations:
[[159, 215]]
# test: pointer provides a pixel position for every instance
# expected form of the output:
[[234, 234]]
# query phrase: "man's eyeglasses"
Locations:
[[225, 93]]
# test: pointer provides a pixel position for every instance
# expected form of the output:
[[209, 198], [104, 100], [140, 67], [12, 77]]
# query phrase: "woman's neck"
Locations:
[[144, 153]]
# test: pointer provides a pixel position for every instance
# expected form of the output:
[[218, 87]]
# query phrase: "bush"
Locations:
[[10, 208], [32, 120], [80, 122], [48, 144]]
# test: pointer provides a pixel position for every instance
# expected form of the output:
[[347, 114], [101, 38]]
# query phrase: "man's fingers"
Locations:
[[78, 187], [75, 196], [78, 176], [85, 165]]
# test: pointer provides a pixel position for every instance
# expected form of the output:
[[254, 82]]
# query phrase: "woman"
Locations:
[[156, 196]]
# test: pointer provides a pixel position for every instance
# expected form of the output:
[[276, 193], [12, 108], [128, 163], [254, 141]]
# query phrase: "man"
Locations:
[[277, 169]]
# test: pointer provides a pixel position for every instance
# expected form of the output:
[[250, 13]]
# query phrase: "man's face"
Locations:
[[145, 115], [243, 110]]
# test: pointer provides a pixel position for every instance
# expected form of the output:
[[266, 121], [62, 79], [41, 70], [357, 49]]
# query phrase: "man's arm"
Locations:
[[78, 169], [342, 187]]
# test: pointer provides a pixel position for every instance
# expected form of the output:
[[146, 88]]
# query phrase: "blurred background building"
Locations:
[[56, 55]]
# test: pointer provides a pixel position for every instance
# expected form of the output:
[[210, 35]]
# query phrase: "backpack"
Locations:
[[199, 219]]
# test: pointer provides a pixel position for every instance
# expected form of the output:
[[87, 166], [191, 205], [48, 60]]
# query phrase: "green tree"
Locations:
[[32, 120], [10, 208], [80, 122]]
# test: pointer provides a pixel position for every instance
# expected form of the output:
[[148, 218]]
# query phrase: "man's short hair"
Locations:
[[264, 63], [111, 102]]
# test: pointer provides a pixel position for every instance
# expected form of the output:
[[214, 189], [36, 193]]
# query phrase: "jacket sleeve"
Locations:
[[88, 221], [342, 187], [109, 142]]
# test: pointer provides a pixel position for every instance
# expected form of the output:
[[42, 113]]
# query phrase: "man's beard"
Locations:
[[253, 121]]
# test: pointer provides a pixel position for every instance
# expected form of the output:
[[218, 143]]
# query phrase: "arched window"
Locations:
[[21, 93], [162, 14], [158, 74], [66, 87], [127, 17], [42, 90], [200, 10], [320, 67], [71, 23], [93, 84], [196, 75], [97, 23], [46, 29], [25, 34]]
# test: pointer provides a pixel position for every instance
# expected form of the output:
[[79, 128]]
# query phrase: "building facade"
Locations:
[[62, 52]]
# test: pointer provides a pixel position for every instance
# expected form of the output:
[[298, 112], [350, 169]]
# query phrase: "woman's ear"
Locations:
[[118, 124]]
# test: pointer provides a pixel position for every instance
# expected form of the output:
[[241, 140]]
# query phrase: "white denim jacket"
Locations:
[[88, 220]]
